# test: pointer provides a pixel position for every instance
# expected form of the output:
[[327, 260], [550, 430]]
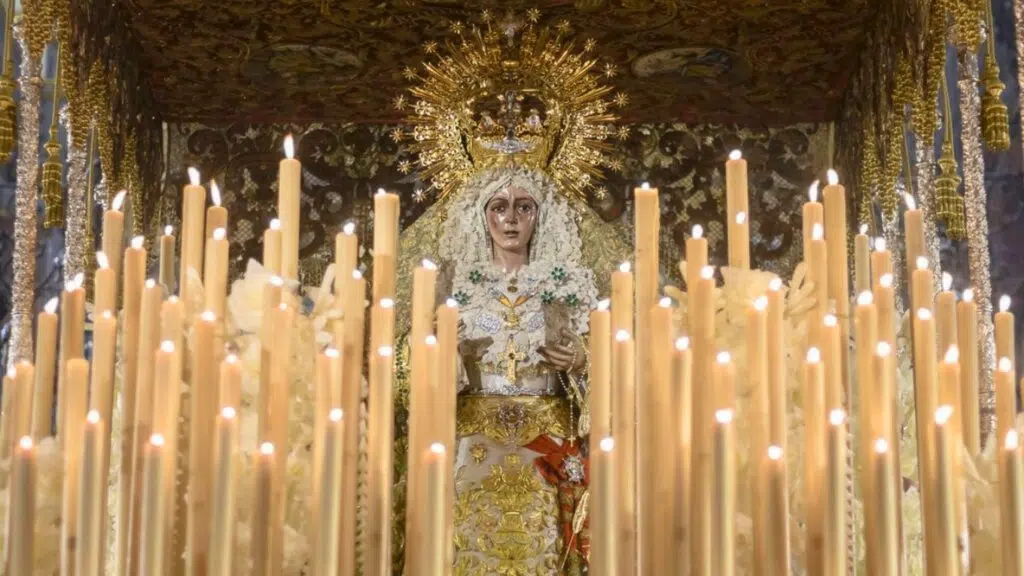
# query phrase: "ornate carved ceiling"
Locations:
[[748, 61]]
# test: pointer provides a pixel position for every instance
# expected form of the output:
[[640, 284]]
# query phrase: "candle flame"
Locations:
[[215, 192], [723, 416], [865, 298], [1005, 365], [167, 346], [150, 283], [968, 295], [430, 340], [922, 263], [276, 280], [813, 355], [118, 201], [208, 316], [883, 349], [357, 275], [381, 191], [193, 175], [11, 372], [837, 417], [775, 284], [947, 281], [282, 306], [219, 234], [911, 203], [885, 281], [266, 448], [952, 355], [437, 448], [228, 413], [101, 260], [1004, 303], [833, 177], [77, 281], [349, 228], [385, 351], [335, 415], [741, 217], [107, 314], [698, 231], [665, 302], [682, 343], [387, 303], [735, 155], [168, 230], [275, 224], [429, 264], [25, 443], [231, 359], [881, 446], [863, 229], [51, 306], [624, 267], [761, 303], [645, 186], [138, 242], [289, 147], [723, 357], [924, 314], [775, 452], [831, 321], [812, 192], [707, 272], [879, 244], [93, 417], [331, 352], [1012, 441], [604, 304], [943, 414], [607, 444], [451, 303], [817, 232], [622, 335]]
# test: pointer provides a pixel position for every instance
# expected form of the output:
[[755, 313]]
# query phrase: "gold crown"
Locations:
[[511, 93]]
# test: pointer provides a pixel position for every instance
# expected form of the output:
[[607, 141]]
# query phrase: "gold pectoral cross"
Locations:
[[512, 359]]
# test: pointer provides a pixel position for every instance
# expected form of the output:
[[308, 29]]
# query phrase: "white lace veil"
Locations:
[[465, 241]]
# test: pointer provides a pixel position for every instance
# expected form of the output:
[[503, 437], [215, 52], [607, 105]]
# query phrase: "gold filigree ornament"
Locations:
[[8, 118], [512, 93]]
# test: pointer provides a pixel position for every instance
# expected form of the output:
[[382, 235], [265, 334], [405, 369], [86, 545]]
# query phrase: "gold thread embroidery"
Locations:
[[512, 420]]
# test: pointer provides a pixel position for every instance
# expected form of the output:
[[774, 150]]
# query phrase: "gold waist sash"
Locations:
[[512, 420]]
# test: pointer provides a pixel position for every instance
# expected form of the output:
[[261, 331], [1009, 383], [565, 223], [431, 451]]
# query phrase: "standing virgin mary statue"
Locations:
[[510, 127]]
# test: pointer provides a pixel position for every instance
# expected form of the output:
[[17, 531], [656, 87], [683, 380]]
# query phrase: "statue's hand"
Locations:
[[474, 349], [563, 357]]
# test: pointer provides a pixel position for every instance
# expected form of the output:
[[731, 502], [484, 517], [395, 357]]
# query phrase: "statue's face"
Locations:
[[511, 218]]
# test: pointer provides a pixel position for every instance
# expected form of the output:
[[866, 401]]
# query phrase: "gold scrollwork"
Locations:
[[512, 420]]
